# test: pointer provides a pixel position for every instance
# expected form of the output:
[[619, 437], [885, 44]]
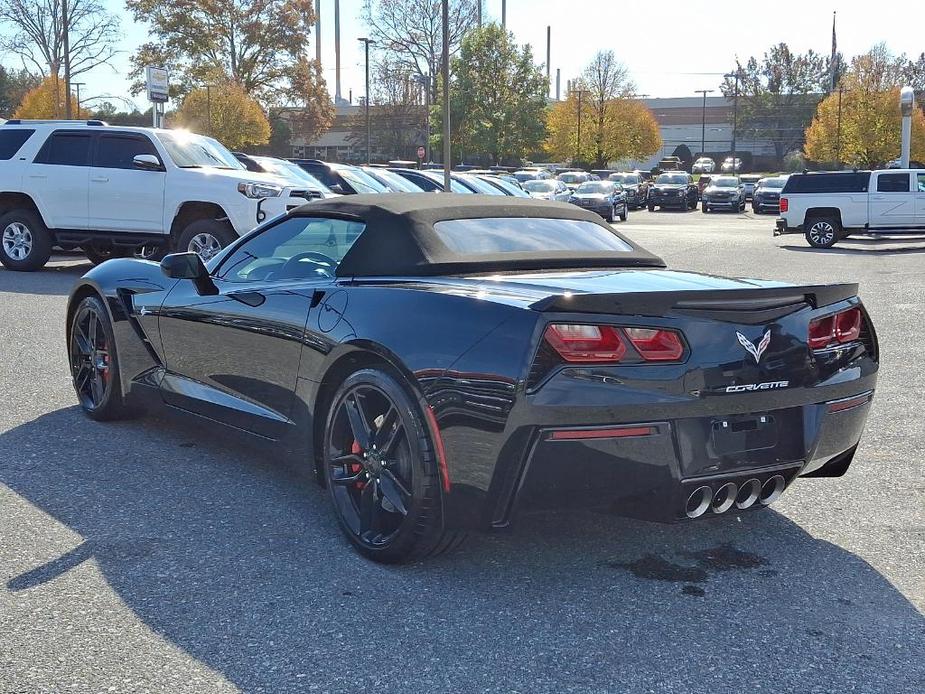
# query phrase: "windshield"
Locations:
[[725, 182], [526, 175], [511, 189], [190, 151], [773, 183], [672, 179], [539, 186], [395, 182], [479, 185], [455, 185], [603, 187], [573, 177], [360, 181], [287, 169]]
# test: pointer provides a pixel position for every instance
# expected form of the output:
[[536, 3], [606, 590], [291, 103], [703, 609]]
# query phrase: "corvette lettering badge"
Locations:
[[750, 346], [749, 387]]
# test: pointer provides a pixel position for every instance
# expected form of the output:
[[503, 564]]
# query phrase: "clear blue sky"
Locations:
[[683, 49]]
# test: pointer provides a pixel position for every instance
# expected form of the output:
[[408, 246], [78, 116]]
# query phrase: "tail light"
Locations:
[[586, 343], [841, 327], [656, 345], [784, 205], [579, 343]]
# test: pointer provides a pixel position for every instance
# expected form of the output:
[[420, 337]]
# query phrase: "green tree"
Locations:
[[498, 98], [255, 43], [778, 95], [13, 87]]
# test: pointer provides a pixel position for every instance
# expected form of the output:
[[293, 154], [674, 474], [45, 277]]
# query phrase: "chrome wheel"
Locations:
[[17, 241], [204, 244], [90, 358], [822, 233], [369, 465]]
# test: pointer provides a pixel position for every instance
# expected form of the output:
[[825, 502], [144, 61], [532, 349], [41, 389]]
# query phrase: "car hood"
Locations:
[[719, 189], [590, 196], [250, 176]]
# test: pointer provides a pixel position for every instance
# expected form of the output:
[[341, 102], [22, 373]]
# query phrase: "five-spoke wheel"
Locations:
[[94, 368]]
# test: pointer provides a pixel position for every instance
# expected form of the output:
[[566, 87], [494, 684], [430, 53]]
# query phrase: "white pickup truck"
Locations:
[[828, 206], [111, 190]]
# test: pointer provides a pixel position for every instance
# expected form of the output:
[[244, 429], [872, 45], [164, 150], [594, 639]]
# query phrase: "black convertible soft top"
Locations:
[[399, 239]]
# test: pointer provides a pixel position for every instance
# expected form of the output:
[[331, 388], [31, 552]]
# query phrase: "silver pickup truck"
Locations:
[[828, 206]]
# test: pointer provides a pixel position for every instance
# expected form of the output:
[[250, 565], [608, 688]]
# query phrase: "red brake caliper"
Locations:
[[356, 467]]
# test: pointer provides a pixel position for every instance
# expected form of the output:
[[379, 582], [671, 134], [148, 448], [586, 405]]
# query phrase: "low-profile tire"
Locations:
[[381, 470], [97, 255], [94, 362], [25, 242], [205, 237], [822, 232]]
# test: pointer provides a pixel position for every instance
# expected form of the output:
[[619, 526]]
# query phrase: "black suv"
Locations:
[[673, 189], [341, 178]]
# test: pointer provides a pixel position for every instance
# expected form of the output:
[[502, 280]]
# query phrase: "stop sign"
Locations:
[[421, 152]]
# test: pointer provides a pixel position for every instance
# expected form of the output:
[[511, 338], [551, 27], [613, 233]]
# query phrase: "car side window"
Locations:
[[65, 149], [893, 183], [117, 151], [921, 183], [295, 248]]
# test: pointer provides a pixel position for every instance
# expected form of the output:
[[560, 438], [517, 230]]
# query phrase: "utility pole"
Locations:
[[366, 41], [548, 55], [318, 33], [735, 115], [841, 90], [66, 29], [424, 80], [504, 14], [479, 12], [703, 119], [578, 148], [209, 107], [78, 85], [447, 152], [337, 96]]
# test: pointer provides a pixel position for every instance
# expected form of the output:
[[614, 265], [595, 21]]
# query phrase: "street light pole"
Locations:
[[78, 85], [66, 30], [366, 41], [703, 119], [425, 83], [446, 96], [735, 115]]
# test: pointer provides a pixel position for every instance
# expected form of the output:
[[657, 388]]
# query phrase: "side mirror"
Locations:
[[336, 188], [189, 266], [147, 162]]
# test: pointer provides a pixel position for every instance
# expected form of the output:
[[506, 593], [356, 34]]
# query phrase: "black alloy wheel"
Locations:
[[94, 367], [382, 472]]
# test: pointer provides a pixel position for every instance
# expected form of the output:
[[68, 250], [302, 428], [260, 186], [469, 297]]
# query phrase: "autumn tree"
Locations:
[[33, 31], [227, 113], [778, 95], [614, 125], [865, 130], [411, 32], [255, 43], [497, 99], [309, 108], [47, 101]]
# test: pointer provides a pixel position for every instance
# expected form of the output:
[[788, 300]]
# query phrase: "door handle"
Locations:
[[100, 179], [38, 176]]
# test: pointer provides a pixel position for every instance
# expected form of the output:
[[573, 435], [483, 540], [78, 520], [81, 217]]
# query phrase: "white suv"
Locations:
[[112, 190]]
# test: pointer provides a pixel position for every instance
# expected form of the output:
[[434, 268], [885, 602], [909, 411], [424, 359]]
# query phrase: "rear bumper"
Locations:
[[649, 469], [781, 228]]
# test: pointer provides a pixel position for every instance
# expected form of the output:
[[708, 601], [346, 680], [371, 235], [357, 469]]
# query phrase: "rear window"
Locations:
[[828, 183], [11, 141], [491, 236]]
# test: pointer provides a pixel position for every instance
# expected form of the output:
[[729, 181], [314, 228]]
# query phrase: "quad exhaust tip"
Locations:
[[771, 490], [724, 498], [748, 494], [699, 501]]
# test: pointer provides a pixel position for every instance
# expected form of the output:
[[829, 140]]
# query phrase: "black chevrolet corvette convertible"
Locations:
[[448, 361]]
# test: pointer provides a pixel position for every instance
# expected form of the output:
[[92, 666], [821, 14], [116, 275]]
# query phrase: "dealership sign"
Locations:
[[156, 79]]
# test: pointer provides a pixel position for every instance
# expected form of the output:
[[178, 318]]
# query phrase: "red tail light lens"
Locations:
[[841, 327], [784, 205], [848, 325], [586, 343], [656, 345]]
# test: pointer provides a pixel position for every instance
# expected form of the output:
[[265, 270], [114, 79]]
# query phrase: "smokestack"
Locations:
[[548, 53], [337, 96], [504, 14], [351, 95], [318, 32], [558, 82]]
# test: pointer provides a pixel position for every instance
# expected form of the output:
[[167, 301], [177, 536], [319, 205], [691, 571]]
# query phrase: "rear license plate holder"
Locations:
[[742, 433]]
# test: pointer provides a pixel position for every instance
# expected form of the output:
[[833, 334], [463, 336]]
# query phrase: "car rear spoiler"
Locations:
[[745, 305]]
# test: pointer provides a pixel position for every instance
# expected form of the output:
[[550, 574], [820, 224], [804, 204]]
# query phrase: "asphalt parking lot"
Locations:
[[165, 555]]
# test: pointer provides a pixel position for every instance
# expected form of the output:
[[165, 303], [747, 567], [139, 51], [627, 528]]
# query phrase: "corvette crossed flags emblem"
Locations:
[[750, 346]]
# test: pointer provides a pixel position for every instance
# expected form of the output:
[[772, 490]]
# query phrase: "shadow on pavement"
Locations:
[[863, 247], [55, 278], [227, 549]]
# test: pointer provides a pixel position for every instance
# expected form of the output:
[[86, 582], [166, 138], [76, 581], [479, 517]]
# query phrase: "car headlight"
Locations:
[[259, 190]]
